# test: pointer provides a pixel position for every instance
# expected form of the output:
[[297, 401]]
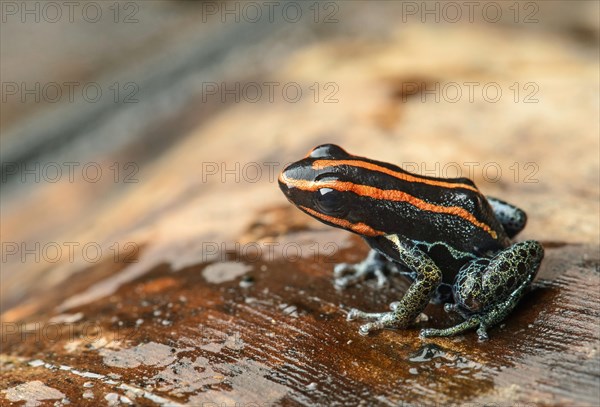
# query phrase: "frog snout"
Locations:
[[289, 176], [295, 182], [283, 186], [283, 181]]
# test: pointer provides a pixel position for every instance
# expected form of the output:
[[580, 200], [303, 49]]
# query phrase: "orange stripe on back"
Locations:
[[318, 164]]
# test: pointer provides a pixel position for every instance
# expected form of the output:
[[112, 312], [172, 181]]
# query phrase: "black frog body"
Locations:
[[442, 233]]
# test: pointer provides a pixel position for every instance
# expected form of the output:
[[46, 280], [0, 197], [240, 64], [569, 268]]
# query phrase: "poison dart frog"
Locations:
[[449, 239]]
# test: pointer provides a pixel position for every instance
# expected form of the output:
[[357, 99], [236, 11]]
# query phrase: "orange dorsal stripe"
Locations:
[[389, 195], [319, 164]]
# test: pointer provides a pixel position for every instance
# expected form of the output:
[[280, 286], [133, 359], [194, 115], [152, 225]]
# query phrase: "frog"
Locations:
[[454, 244]]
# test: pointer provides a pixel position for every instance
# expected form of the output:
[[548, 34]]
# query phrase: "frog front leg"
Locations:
[[487, 290], [427, 278]]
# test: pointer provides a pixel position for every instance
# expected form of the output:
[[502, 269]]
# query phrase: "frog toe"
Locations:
[[450, 307], [348, 281], [382, 279], [456, 308], [355, 314], [340, 270], [344, 282], [365, 329], [347, 275], [428, 333], [482, 333]]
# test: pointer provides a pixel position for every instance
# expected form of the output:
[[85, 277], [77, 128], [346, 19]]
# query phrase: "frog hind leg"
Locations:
[[427, 278], [513, 219], [487, 290]]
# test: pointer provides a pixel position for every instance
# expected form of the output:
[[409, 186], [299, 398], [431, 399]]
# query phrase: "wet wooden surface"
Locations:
[[267, 330], [212, 288]]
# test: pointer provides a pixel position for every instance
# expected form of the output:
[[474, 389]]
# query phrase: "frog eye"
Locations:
[[327, 151], [330, 202]]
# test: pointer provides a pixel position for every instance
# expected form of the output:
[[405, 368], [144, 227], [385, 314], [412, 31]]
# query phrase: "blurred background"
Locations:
[[133, 132]]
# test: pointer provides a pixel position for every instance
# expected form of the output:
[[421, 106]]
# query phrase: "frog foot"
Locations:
[[471, 323], [347, 275], [381, 320]]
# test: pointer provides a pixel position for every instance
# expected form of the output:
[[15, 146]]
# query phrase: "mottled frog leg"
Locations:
[[487, 290], [513, 219], [375, 264], [404, 312]]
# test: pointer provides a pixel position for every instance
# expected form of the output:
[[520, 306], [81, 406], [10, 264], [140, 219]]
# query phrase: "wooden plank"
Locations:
[[277, 333]]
